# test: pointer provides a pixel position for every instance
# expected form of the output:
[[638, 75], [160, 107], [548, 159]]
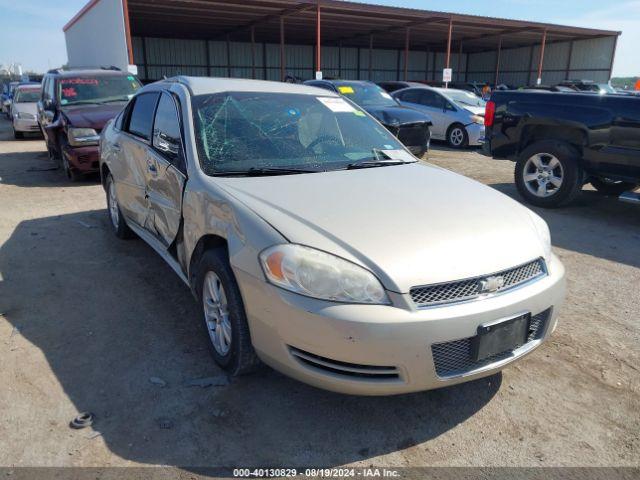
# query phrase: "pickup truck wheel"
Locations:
[[457, 136], [548, 174], [120, 227], [606, 186], [225, 319]]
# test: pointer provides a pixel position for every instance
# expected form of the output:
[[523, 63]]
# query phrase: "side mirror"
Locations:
[[167, 144], [47, 104]]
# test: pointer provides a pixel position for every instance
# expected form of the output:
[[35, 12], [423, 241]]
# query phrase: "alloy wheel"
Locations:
[[114, 212], [543, 175], [456, 136], [216, 313]]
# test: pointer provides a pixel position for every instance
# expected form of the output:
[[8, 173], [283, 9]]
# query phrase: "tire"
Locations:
[[235, 355], [457, 136], [116, 219], [548, 173], [71, 174], [18, 135], [611, 187]]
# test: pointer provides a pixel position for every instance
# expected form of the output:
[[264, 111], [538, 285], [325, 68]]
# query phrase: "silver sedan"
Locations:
[[316, 243], [457, 115]]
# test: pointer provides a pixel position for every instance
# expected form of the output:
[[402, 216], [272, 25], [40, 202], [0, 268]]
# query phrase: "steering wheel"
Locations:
[[324, 139]]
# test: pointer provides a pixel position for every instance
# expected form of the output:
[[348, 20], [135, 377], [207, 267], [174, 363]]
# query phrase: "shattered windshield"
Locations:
[[239, 131]]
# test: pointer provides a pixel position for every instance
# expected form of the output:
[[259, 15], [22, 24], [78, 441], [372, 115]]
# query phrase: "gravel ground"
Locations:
[[83, 328]]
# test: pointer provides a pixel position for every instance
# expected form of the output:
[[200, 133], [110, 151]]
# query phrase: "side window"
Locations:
[[48, 89], [45, 83], [141, 118], [166, 130], [411, 96], [432, 99]]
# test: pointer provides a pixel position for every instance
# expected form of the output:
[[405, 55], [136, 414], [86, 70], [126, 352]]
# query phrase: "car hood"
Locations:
[[474, 110], [91, 116], [397, 115], [411, 224], [26, 107]]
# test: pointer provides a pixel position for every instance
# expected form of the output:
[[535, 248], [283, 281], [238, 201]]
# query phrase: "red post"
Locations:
[[127, 30], [406, 54], [318, 49], [282, 56], [498, 59], [541, 60], [253, 52], [449, 43], [449, 48], [459, 61], [370, 54]]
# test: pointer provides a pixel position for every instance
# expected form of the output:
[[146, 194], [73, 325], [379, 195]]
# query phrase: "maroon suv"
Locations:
[[74, 107]]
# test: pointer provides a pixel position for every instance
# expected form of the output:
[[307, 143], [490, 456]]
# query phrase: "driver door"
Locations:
[[166, 171]]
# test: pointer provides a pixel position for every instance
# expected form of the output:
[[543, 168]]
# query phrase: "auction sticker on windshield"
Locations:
[[336, 104]]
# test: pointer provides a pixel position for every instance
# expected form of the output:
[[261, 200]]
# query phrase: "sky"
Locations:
[[31, 32]]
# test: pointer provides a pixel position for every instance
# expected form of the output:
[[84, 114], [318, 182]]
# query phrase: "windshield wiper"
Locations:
[[377, 163], [81, 102], [380, 159], [121, 99], [262, 171]]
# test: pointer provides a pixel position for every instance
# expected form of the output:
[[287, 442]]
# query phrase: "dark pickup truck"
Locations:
[[561, 141]]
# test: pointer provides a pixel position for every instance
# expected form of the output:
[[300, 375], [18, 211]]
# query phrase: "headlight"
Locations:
[[79, 137], [477, 119], [25, 116], [317, 274], [543, 233]]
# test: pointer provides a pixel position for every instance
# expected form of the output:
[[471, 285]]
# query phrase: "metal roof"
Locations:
[[208, 85], [343, 22]]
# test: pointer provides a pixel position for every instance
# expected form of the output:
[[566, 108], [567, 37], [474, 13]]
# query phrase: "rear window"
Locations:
[[27, 96], [97, 89]]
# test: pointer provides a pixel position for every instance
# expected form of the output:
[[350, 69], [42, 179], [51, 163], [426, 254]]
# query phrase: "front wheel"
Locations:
[[457, 136], [548, 173], [120, 227], [606, 186], [17, 135], [224, 315]]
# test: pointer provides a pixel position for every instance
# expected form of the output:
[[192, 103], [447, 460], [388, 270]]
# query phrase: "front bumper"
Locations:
[[83, 159], [476, 134], [25, 125], [383, 350]]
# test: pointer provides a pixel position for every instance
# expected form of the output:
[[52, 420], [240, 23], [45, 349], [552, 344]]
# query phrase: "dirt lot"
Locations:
[[84, 329]]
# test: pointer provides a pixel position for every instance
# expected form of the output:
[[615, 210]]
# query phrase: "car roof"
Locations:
[[350, 82], [88, 72], [209, 85], [28, 86], [448, 90]]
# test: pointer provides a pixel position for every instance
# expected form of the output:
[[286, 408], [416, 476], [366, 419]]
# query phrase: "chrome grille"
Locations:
[[455, 358], [468, 289]]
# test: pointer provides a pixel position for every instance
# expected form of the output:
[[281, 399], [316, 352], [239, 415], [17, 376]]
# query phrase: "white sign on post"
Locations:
[[318, 75], [447, 74]]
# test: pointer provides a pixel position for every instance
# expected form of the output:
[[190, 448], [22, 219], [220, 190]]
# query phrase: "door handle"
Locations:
[[151, 167], [116, 147]]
